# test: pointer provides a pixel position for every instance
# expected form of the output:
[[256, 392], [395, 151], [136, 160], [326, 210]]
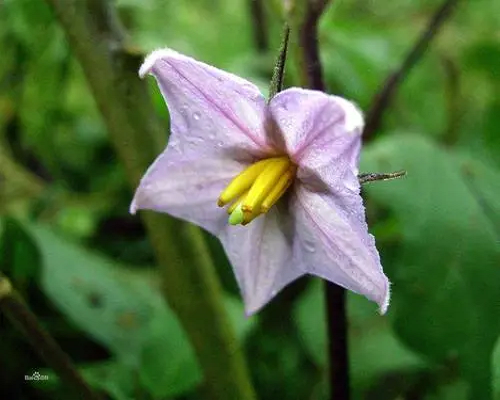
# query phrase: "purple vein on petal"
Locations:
[[382, 304], [230, 116], [300, 151]]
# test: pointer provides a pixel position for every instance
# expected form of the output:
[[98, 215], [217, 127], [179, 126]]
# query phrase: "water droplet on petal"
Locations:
[[174, 146], [196, 115], [309, 246], [184, 109]]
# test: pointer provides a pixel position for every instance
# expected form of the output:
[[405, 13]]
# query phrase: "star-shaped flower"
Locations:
[[286, 170]]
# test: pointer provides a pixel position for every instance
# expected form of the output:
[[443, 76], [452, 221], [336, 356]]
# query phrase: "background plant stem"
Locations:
[[382, 99], [189, 282], [20, 316], [259, 25], [308, 46], [312, 75]]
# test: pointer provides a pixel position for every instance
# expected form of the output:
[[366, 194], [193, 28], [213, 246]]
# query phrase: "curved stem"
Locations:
[[189, 281], [382, 99]]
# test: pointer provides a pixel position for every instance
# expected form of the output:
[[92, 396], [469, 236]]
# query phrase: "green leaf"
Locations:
[[120, 309], [374, 350], [124, 311], [110, 303], [445, 280], [168, 365], [483, 182], [112, 377]]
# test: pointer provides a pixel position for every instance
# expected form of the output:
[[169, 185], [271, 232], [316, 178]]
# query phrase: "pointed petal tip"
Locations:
[[133, 207], [354, 119], [253, 304], [384, 304], [250, 310], [249, 313], [153, 57], [137, 202]]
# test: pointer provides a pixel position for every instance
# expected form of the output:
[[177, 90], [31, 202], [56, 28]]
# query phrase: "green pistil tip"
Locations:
[[236, 216]]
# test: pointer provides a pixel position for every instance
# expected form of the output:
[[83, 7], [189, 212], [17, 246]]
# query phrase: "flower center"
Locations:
[[255, 190]]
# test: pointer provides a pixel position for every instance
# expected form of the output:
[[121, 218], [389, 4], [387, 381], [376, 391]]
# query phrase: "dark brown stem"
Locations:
[[259, 25], [20, 316], [338, 372], [382, 99], [309, 47]]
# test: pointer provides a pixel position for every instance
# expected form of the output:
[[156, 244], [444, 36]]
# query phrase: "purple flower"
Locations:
[[284, 171]]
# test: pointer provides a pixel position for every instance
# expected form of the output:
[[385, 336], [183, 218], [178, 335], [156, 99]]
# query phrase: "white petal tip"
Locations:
[[133, 207], [253, 304], [385, 303], [154, 56], [250, 310], [354, 120]]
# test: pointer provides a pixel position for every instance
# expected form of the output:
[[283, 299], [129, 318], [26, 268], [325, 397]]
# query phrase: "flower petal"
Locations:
[[211, 111], [322, 132], [332, 241], [187, 187], [261, 256]]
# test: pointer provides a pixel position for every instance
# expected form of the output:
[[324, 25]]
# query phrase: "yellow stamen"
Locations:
[[242, 182], [264, 183], [283, 184], [255, 190], [250, 216], [236, 203]]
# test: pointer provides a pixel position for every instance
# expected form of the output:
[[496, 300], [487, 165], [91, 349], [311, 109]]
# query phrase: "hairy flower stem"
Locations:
[[374, 176], [279, 68], [20, 315], [335, 296], [189, 282]]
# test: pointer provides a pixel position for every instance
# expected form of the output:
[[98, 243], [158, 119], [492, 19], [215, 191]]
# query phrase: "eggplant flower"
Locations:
[[275, 181]]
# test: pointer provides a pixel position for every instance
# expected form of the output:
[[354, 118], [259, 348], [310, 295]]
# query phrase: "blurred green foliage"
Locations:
[[85, 267]]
